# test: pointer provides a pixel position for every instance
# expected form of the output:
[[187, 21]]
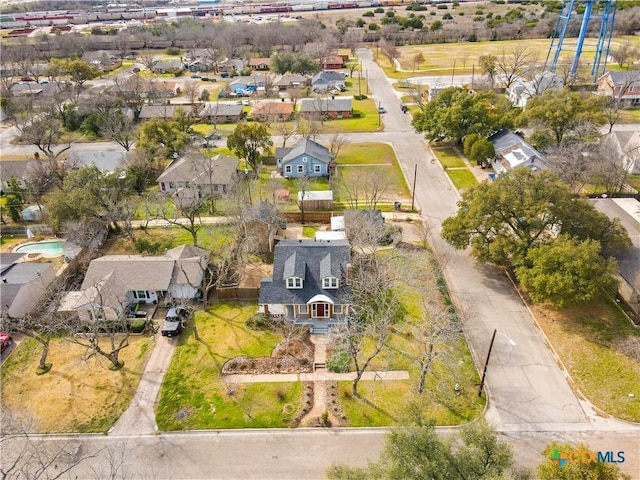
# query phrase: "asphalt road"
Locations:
[[531, 402]]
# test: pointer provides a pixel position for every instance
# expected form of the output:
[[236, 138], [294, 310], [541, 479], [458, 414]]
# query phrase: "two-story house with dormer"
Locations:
[[310, 283]]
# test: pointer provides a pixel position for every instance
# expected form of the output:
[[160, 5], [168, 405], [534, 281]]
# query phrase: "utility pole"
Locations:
[[486, 363], [413, 196]]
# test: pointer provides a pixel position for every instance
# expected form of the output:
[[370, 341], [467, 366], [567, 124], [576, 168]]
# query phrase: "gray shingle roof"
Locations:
[[310, 260], [187, 169], [308, 147], [620, 78], [220, 109], [338, 104]]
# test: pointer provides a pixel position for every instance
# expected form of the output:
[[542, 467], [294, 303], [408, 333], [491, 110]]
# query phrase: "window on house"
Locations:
[[320, 310], [317, 168], [140, 294], [337, 309], [287, 169], [303, 309], [294, 282], [330, 282], [300, 168]]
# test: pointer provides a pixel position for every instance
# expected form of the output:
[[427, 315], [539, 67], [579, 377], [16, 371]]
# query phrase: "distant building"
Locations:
[[624, 86], [305, 159], [520, 91]]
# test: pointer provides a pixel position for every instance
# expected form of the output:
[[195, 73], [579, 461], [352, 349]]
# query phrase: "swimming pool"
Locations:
[[48, 248]]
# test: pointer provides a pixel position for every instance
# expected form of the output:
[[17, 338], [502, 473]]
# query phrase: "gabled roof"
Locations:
[[621, 78], [515, 151], [221, 109], [328, 76], [27, 280], [289, 78], [254, 62], [272, 108], [188, 169], [307, 146], [311, 260], [142, 272], [337, 104], [166, 111]]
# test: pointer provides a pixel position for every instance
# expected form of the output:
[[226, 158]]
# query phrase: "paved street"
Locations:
[[531, 402]]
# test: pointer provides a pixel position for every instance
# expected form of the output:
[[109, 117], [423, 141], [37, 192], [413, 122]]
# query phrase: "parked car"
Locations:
[[224, 75], [5, 341], [382, 110], [174, 321], [214, 136], [246, 102], [195, 76]]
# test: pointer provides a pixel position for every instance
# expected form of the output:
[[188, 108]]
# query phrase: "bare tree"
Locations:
[[572, 165], [285, 129], [336, 142], [513, 64], [302, 185], [367, 189], [626, 53], [375, 308], [117, 126], [615, 102], [103, 328], [611, 171], [191, 91], [184, 212]]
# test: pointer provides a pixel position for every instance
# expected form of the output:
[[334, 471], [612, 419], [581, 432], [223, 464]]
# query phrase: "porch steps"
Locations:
[[319, 366]]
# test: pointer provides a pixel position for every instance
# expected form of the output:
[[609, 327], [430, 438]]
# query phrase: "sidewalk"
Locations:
[[318, 376]]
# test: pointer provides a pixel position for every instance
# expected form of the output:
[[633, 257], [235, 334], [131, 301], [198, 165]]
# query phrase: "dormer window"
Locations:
[[330, 282], [294, 282]]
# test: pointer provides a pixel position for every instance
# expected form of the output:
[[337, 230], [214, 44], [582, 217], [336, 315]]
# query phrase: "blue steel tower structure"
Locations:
[[606, 15]]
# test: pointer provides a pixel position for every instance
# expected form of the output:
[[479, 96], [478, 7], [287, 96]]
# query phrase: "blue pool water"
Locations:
[[50, 248]]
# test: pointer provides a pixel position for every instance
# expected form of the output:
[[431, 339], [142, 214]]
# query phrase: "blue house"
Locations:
[[305, 159]]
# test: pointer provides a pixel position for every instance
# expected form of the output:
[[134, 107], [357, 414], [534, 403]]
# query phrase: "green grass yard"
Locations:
[[194, 395], [588, 340]]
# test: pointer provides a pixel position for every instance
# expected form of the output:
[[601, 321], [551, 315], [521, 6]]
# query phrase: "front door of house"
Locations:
[[320, 310]]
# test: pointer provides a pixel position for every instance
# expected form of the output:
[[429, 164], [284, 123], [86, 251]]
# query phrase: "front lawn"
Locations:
[[462, 179], [450, 395], [194, 395], [448, 157], [366, 154], [589, 339], [75, 395]]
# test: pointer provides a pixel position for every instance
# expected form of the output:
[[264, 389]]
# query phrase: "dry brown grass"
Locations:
[[76, 395]]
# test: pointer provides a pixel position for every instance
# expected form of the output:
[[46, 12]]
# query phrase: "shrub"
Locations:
[[447, 16], [259, 321], [379, 10], [442, 7], [360, 97], [173, 51], [138, 325], [339, 361]]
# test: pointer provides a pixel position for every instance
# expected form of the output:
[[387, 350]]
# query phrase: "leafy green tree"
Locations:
[[576, 470], [479, 150], [161, 139], [294, 63], [566, 271], [14, 199], [251, 143], [417, 453], [87, 194], [456, 113], [563, 114], [521, 209]]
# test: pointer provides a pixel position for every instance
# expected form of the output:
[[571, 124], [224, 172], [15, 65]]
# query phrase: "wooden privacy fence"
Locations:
[[237, 293], [309, 217]]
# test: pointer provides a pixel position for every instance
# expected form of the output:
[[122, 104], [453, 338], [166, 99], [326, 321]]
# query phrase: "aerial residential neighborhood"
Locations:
[[325, 240]]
